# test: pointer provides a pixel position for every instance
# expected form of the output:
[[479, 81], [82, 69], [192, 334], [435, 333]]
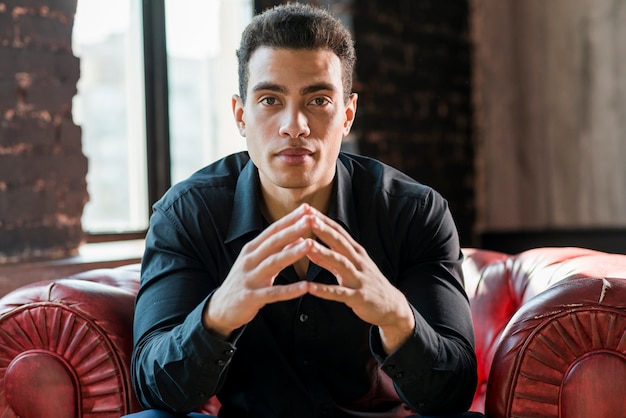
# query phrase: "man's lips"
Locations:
[[297, 155]]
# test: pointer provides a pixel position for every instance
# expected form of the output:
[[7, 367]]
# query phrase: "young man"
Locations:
[[294, 280]]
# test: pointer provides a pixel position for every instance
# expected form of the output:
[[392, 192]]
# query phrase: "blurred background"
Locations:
[[514, 111]]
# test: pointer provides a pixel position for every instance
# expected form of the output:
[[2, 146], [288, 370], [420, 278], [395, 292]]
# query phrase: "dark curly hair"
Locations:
[[297, 26]]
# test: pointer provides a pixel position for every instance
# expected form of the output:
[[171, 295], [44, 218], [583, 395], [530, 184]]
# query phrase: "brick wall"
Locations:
[[413, 73], [42, 167]]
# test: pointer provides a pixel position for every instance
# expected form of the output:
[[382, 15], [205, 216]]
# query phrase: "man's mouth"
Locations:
[[295, 155]]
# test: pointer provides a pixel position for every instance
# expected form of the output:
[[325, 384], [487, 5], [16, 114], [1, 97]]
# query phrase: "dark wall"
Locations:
[[413, 76], [413, 72]]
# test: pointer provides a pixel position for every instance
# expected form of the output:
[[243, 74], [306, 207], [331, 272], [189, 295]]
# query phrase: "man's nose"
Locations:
[[294, 124]]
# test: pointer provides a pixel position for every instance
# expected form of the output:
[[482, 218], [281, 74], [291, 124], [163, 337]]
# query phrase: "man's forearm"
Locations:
[[166, 375], [434, 374]]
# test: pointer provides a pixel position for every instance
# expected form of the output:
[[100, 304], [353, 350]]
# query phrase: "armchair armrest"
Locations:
[[65, 346], [563, 353]]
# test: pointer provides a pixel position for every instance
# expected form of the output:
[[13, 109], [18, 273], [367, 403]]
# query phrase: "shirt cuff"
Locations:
[[414, 358], [212, 353]]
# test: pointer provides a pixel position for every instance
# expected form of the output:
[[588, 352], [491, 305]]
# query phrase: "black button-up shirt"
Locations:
[[306, 357]]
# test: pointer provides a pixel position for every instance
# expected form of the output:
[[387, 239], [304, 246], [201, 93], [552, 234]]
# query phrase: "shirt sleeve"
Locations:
[[435, 370], [171, 344]]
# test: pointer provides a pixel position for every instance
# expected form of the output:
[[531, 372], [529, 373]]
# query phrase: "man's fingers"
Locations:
[[281, 293], [283, 223], [335, 236], [331, 292], [338, 264], [268, 267], [267, 245]]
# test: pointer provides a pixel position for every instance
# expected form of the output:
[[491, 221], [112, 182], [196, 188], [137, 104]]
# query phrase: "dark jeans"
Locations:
[[153, 413]]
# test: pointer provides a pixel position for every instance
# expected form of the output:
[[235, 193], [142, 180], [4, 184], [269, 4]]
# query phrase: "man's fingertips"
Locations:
[[301, 245]]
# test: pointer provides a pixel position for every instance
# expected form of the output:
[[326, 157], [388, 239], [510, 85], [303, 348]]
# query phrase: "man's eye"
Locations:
[[320, 101], [270, 101]]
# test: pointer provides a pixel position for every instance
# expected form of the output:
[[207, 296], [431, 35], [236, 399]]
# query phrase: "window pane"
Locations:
[[202, 37], [109, 107]]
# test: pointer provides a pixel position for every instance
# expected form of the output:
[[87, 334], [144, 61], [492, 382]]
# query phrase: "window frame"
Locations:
[[157, 117], [156, 98]]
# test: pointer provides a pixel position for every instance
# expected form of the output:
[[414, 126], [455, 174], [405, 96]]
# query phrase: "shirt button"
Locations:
[[304, 317], [220, 362], [229, 352], [307, 362]]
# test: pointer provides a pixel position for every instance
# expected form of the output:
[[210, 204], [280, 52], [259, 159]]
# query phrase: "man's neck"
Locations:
[[279, 202]]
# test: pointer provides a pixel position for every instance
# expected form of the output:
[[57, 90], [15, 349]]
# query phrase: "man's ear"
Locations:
[[237, 103], [350, 114]]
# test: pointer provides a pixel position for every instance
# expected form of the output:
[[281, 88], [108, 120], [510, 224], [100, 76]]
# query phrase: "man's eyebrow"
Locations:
[[317, 87], [266, 85]]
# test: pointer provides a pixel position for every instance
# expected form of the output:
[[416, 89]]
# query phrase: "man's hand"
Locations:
[[361, 286], [250, 283]]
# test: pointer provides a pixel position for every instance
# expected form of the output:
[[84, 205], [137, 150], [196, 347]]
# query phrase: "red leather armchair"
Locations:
[[550, 327], [550, 338]]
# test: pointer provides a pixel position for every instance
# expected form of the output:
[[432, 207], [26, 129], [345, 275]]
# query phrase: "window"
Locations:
[[202, 69], [109, 109], [201, 39]]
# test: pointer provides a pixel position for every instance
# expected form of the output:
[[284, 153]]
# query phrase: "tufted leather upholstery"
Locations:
[[65, 346], [550, 329]]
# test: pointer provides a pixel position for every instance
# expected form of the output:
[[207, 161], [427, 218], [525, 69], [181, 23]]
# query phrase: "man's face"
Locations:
[[294, 118]]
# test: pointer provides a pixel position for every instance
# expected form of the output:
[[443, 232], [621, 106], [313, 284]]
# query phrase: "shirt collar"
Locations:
[[342, 207], [247, 217]]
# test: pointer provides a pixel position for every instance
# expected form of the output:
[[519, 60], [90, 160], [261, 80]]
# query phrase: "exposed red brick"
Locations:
[[42, 168]]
